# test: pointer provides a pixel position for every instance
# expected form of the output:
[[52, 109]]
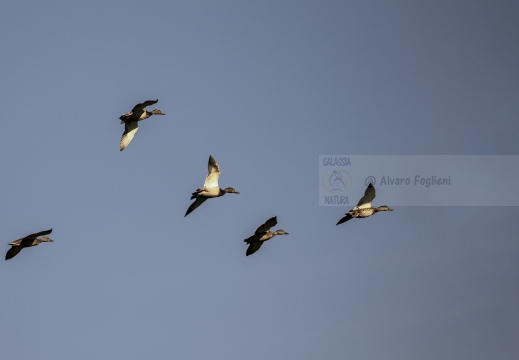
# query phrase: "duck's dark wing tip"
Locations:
[[273, 220], [211, 163], [344, 219], [150, 102], [199, 201], [35, 235], [253, 247], [12, 252]]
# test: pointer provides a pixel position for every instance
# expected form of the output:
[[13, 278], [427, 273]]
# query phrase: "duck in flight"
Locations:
[[131, 121], [211, 188], [28, 241], [262, 234], [364, 208]]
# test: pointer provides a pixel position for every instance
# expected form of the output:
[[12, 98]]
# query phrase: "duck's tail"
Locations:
[[195, 194]]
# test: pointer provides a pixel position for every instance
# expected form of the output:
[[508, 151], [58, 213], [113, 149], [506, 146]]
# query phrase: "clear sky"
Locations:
[[265, 87]]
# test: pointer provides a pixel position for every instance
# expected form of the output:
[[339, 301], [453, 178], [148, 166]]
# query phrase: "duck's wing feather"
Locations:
[[213, 173], [266, 227], [368, 197], [142, 106], [199, 201], [35, 235], [130, 128], [16, 242], [12, 252], [27, 241], [344, 219], [253, 247]]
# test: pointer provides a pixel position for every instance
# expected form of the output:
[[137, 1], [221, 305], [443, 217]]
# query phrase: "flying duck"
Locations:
[[364, 208], [211, 188], [29, 240], [131, 121], [262, 234]]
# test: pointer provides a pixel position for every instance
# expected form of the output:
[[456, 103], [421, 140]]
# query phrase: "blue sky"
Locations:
[[264, 87]]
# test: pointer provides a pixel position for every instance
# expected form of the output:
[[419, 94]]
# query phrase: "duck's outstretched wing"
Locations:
[[35, 235], [199, 201], [253, 247], [213, 173], [142, 106], [266, 227], [130, 128], [368, 197], [344, 219], [29, 238], [12, 252]]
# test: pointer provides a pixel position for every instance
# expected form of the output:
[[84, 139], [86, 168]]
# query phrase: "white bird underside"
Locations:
[[209, 192], [363, 206], [213, 173], [130, 129]]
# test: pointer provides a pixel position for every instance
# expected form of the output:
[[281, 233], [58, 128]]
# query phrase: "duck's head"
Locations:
[[45, 239], [157, 112], [230, 190], [385, 208], [280, 232]]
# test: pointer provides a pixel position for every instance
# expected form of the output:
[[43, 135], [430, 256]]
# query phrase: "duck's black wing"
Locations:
[[142, 106], [344, 219], [12, 252], [266, 227], [35, 235], [253, 247], [199, 201], [369, 195]]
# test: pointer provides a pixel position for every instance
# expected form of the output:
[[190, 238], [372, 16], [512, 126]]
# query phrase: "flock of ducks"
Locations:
[[211, 189]]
